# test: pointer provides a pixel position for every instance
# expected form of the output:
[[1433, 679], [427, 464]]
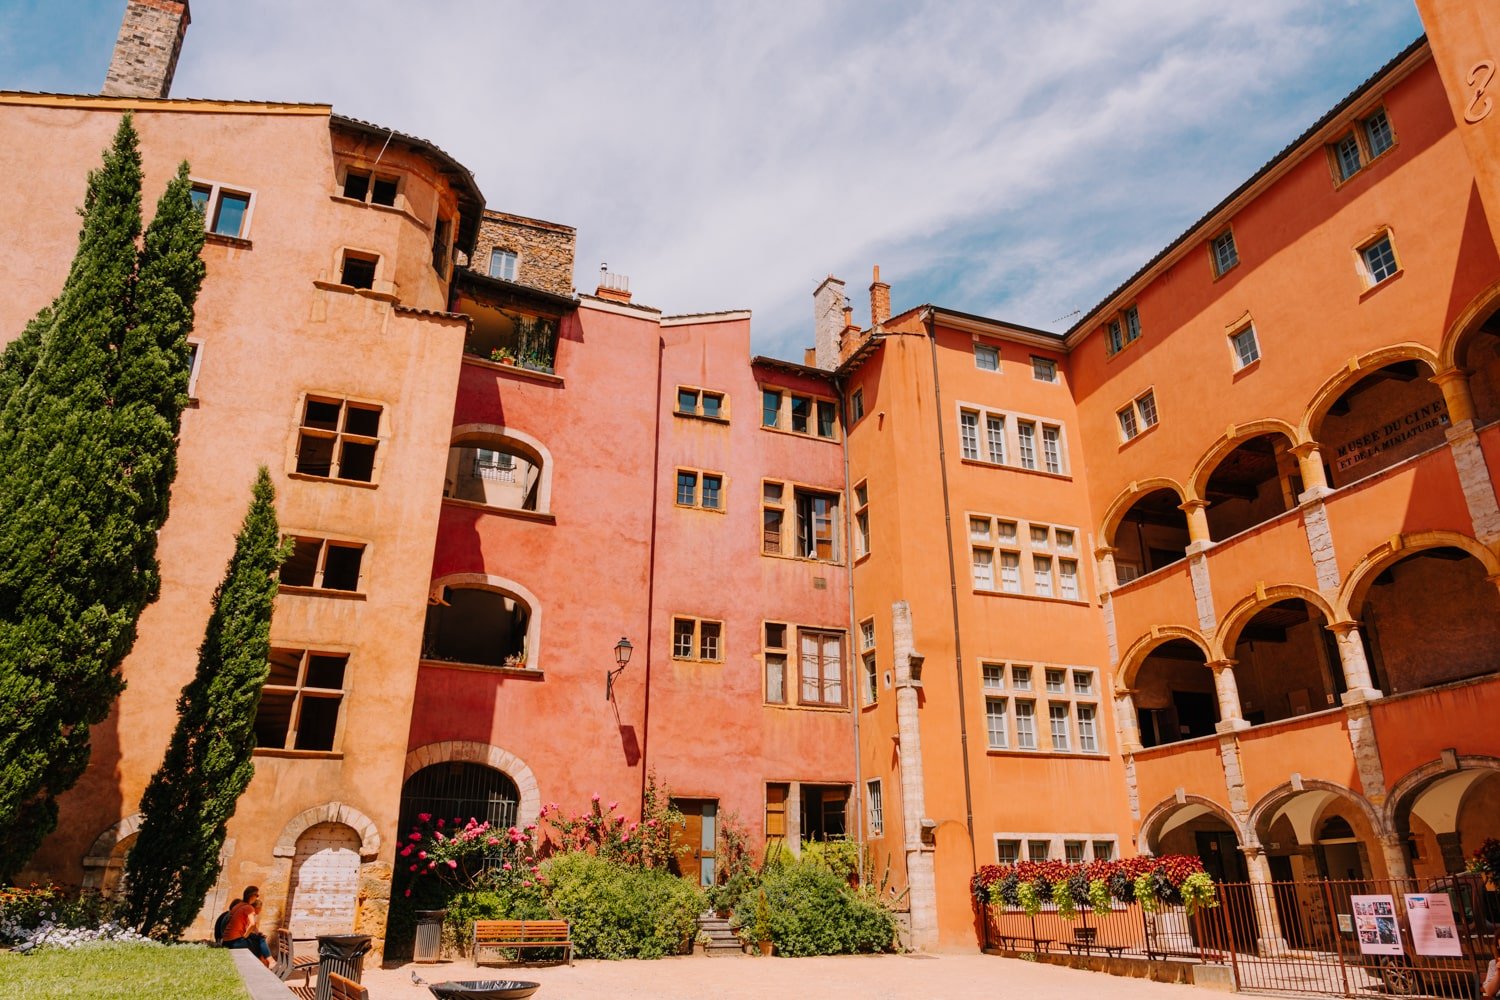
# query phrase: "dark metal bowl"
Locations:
[[484, 989]]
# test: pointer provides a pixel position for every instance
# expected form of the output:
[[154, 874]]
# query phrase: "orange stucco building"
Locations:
[[1214, 571]]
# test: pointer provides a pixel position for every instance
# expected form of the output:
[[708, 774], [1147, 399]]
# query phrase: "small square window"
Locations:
[[1007, 852], [1020, 678], [1043, 369], [979, 529], [1225, 253], [1039, 536], [1064, 539], [775, 635], [1378, 133], [713, 405], [1104, 850], [1056, 681], [1083, 682], [1038, 850], [503, 265], [229, 217], [712, 490], [1380, 260], [1073, 851], [867, 635], [1006, 532], [1246, 348], [682, 638], [708, 640], [687, 488], [358, 270], [383, 192], [994, 676], [356, 185], [1346, 153], [986, 358]]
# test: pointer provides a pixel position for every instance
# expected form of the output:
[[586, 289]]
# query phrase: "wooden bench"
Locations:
[[1020, 942], [496, 936], [288, 965], [346, 989], [1086, 939]]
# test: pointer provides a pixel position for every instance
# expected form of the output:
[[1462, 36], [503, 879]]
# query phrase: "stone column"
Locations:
[[1452, 847], [1125, 723], [1231, 717], [1104, 559], [921, 878], [1352, 658], [1457, 395], [794, 818], [1310, 465], [1197, 519], [1271, 940], [1393, 852]]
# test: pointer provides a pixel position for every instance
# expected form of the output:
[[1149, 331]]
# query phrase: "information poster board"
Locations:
[[1375, 925], [1433, 931]]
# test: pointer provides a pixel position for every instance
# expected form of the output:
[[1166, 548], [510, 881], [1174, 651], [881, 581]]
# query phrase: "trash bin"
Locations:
[[341, 953], [429, 946]]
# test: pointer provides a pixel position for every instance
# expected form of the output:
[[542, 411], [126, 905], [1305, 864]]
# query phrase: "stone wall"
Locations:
[[145, 56], [544, 250]]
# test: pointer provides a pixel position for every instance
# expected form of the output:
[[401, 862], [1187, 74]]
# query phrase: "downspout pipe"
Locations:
[[929, 320], [661, 350], [856, 657]]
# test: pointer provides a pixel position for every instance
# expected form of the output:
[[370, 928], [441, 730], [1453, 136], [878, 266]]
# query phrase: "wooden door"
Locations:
[[325, 880], [695, 838]]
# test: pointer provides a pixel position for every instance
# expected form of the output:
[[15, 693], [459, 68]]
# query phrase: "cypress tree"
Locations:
[[208, 764], [91, 396]]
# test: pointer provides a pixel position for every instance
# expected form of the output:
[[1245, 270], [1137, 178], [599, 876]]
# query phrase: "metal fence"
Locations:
[[1384, 937], [1354, 938]]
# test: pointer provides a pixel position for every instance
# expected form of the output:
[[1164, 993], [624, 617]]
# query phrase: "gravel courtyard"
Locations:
[[869, 977]]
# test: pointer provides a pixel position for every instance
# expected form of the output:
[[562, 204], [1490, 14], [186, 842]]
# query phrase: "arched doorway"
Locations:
[[1196, 827], [1386, 416], [1446, 819], [1151, 534], [1479, 354], [112, 877], [1254, 482], [324, 892], [1287, 662], [1173, 692], [1431, 617], [497, 472]]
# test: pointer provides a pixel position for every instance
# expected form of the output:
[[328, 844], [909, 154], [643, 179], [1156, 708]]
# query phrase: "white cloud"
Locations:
[[1012, 158]]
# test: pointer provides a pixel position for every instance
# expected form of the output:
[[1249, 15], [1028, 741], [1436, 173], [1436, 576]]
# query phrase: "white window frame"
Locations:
[[1235, 351], [982, 563], [1139, 415], [997, 708], [499, 253], [1369, 271], [1060, 712], [988, 670], [1224, 253], [1040, 365]]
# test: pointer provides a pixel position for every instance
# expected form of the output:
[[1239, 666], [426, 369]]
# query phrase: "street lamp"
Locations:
[[622, 658]]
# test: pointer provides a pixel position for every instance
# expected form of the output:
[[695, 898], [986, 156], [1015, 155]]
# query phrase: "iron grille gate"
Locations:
[[1350, 938]]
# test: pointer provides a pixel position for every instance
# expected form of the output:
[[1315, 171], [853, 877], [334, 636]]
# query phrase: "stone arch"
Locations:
[[102, 852], [1355, 369], [499, 585], [467, 751], [1271, 802], [1455, 341], [1130, 662], [1236, 435], [1224, 638], [1397, 549], [1405, 792], [1152, 821], [1121, 504], [329, 812], [528, 445]]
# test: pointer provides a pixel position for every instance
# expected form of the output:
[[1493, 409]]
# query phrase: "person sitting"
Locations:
[[243, 930]]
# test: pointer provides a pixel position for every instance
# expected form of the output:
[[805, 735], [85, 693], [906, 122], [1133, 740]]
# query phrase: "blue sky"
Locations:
[[1007, 158]]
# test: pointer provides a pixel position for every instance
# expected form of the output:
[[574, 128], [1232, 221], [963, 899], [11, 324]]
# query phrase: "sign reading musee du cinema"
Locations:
[[1392, 434]]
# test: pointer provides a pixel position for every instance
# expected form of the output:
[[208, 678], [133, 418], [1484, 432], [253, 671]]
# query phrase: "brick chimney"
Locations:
[[614, 287], [828, 322], [880, 300], [146, 52]]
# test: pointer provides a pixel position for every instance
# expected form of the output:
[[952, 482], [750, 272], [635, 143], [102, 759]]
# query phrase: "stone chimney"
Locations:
[[828, 322], [146, 52], [880, 300]]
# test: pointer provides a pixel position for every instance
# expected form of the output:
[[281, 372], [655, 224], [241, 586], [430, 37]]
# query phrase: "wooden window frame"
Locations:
[[698, 639], [769, 650], [816, 406], [213, 203], [699, 477], [339, 437], [1122, 329], [1220, 268], [861, 519], [1359, 130], [777, 506], [300, 690], [372, 175], [822, 700], [698, 412], [321, 565]]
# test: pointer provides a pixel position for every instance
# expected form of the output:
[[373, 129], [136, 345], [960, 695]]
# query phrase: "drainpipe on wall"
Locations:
[[921, 880], [929, 321], [856, 659], [661, 349]]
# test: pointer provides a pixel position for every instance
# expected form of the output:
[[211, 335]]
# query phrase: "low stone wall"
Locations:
[[1157, 970]]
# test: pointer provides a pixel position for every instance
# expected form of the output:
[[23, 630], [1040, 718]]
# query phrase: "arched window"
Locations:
[[496, 474], [459, 791], [479, 625]]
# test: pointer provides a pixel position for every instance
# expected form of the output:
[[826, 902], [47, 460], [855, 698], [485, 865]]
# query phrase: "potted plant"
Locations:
[[503, 355], [760, 930]]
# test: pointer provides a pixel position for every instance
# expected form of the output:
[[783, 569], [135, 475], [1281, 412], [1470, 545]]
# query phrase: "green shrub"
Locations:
[[814, 912], [617, 911], [839, 856]]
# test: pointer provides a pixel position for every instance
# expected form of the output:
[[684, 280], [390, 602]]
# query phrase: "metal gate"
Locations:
[[1389, 937]]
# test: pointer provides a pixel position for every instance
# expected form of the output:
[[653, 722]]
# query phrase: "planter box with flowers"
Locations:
[[1029, 886]]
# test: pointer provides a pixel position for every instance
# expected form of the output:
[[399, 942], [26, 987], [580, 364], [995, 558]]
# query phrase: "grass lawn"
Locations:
[[121, 972]]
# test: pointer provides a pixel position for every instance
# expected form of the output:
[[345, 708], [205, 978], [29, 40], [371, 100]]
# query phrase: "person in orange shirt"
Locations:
[[243, 930]]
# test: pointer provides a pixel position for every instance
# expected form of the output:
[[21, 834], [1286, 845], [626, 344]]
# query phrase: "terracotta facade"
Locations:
[[1219, 561]]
